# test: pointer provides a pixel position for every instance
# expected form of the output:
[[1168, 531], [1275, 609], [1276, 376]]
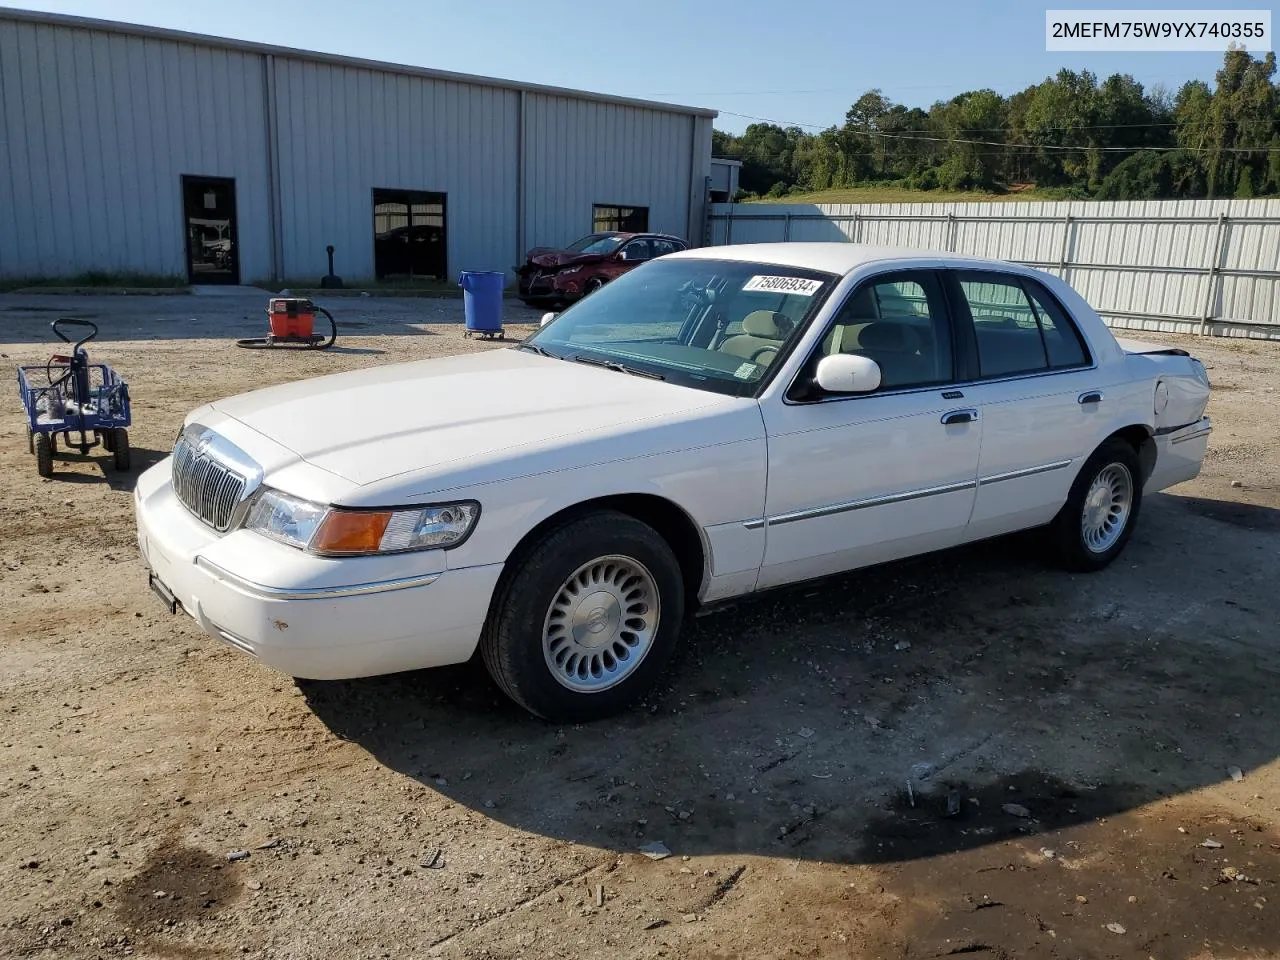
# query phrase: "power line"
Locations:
[[1261, 121], [909, 136]]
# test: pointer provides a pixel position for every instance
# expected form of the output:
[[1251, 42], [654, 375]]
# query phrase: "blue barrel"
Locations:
[[482, 299]]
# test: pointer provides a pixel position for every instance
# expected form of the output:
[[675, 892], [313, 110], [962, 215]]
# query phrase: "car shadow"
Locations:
[[886, 715]]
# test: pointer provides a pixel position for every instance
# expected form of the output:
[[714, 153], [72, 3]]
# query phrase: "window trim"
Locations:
[[962, 319], [803, 376]]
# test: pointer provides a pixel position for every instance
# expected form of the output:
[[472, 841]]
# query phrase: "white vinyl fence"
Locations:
[[1202, 266]]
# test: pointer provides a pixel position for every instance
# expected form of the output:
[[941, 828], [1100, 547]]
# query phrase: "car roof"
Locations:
[[642, 233], [828, 256]]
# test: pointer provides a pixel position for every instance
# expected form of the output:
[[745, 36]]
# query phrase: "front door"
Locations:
[[209, 212], [860, 479]]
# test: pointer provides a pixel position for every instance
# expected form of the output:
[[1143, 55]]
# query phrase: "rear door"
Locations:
[[1037, 390]]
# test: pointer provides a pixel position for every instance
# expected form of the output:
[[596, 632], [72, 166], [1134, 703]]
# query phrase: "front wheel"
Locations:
[[44, 454], [585, 622], [1101, 510], [591, 286]]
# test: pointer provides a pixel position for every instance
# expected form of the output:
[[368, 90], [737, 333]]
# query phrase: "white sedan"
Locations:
[[715, 423]]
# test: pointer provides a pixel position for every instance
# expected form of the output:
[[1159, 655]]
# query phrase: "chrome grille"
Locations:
[[206, 486]]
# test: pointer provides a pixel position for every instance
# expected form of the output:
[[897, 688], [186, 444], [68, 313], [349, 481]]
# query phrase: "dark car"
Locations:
[[551, 276]]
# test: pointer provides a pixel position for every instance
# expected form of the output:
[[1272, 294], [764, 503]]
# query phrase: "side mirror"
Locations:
[[547, 318], [848, 373]]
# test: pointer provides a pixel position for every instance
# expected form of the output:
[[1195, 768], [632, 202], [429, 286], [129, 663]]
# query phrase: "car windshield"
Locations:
[[596, 243], [715, 325]]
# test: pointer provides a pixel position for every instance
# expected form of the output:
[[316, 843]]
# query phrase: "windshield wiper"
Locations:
[[537, 349], [615, 365]]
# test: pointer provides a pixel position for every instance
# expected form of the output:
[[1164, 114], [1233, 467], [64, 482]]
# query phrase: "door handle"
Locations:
[[1090, 396], [959, 416]]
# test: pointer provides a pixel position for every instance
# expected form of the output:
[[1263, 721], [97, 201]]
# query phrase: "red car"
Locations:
[[562, 276]]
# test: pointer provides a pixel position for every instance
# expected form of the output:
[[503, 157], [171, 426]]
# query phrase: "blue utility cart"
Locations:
[[87, 403]]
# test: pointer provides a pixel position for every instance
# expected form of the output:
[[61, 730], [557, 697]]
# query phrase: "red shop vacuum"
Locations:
[[293, 324]]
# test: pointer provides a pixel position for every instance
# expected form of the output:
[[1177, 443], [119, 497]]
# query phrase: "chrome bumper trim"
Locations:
[[314, 593], [1205, 427]]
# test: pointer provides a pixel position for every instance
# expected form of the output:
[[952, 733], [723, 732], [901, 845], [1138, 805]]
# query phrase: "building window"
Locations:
[[605, 217], [409, 234]]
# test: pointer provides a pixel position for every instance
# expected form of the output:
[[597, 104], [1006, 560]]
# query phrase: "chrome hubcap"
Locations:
[[601, 624], [1107, 507]]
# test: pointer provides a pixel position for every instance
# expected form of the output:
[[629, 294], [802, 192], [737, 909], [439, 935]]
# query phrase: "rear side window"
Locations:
[[1061, 338], [1019, 329]]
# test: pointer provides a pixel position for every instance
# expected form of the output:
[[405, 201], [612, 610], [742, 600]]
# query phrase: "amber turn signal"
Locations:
[[351, 531]]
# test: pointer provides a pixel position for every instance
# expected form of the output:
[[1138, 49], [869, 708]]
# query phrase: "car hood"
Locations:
[[452, 416], [562, 258]]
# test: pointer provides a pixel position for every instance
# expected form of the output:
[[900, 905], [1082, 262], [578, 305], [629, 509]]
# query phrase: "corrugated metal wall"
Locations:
[[98, 124], [582, 153], [1154, 265], [346, 131], [96, 130]]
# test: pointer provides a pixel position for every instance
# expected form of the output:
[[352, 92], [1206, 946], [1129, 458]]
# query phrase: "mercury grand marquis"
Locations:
[[715, 423]]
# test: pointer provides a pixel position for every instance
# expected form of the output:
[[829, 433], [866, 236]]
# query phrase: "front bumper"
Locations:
[[547, 283], [313, 617]]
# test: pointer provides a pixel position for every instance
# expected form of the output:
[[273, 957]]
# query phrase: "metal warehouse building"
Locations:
[[132, 149]]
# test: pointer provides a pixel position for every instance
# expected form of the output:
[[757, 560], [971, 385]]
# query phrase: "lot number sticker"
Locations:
[[796, 285]]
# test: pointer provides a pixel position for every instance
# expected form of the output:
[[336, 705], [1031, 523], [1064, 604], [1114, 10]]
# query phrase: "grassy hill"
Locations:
[[903, 195]]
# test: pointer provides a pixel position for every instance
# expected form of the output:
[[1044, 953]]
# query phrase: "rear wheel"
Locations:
[[1101, 510], [44, 454], [585, 622], [108, 440]]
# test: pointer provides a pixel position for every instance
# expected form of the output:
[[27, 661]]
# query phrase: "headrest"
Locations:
[[883, 336], [862, 307], [766, 324]]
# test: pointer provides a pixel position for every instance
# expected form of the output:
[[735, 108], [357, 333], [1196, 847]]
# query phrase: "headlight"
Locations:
[[285, 518], [570, 269], [335, 531]]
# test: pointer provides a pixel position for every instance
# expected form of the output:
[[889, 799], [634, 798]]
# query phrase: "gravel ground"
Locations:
[[162, 795]]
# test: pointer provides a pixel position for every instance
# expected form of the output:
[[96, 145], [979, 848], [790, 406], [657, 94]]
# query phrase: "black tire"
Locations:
[[1071, 549], [44, 454], [591, 286], [108, 440], [512, 641], [120, 448]]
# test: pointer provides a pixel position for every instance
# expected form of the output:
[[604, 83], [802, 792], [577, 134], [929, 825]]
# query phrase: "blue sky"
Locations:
[[798, 61]]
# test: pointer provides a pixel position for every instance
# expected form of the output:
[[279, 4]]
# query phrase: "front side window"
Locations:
[[900, 322], [714, 325], [1015, 330], [637, 250]]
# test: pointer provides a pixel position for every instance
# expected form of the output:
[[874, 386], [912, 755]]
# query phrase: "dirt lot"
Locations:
[[799, 763]]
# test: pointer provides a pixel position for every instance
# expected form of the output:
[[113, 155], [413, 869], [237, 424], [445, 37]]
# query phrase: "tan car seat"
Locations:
[[761, 337]]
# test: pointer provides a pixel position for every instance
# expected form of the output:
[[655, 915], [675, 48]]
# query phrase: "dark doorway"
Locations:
[[409, 234], [209, 208]]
